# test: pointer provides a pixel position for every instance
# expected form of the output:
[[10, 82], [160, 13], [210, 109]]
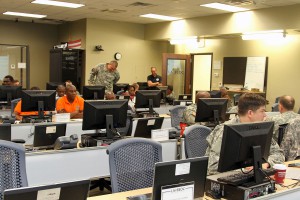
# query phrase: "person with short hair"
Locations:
[[189, 114], [105, 74], [8, 80], [110, 95], [60, 91], [136, 86], [154, 79], [251, 108], [71, 103], [16, 82]]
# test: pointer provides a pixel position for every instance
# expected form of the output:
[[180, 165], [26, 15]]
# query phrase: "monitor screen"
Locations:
[[120, 87], [8, 93], [238, 142], [103, 114], [215, 94], [38, 100], [147, 99], [93, 92], [45, 135], [122, 97], [53, 85], [146, 125], [185, 97], [5, 132], [211, 110], [143, 85], [182, 102], [167, 174]]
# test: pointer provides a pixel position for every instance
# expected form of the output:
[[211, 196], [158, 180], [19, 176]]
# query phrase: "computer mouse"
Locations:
[[213, 194]]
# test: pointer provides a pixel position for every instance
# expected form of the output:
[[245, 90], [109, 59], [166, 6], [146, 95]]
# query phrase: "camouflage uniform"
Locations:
[[290, 143], [214, 147], [279, 119], [101, 76], [189, 114]]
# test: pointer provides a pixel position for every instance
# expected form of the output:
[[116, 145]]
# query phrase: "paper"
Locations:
[[185, 192], [50, 129], [22, 65], [49, 194], [184, 97], [182, 103], [217, 64], [182, 168], [292, 173], [121, 97], [160, 135], [151, 122]]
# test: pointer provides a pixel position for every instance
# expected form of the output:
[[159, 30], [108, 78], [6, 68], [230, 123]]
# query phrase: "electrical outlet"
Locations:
[[220, 84]]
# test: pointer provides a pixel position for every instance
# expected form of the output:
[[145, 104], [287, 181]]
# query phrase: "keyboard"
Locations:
[[241, 179]]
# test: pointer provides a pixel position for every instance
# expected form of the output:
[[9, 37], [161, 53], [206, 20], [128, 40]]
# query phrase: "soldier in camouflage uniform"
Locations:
[[189, 113], [290, 143], [251, 108], [285, 106], [105, 74]]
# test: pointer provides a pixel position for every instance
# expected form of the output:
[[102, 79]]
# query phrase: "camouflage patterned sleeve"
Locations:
[[289, 144], [93, 75], [276, 154], [189, 115]]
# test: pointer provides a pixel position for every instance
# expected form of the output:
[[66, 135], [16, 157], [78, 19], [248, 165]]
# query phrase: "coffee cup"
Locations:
[[280, 173]]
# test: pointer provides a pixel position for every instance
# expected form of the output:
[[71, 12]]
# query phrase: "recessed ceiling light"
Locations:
[[226, 7], [161, 17], [58, 3], [24, 14]]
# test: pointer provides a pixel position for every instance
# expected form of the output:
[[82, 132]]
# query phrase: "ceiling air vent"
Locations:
[[113, 11], [240, 2], [140, 4]]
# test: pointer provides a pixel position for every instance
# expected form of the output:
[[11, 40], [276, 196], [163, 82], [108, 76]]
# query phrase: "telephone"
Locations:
[[66, 142]]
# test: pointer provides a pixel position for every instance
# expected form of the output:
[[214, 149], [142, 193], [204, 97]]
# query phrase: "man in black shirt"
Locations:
[[154, 79]]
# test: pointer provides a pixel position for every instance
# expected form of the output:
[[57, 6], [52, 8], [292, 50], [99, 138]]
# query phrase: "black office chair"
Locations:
[[236, 98], [275, 107], [281, 131]]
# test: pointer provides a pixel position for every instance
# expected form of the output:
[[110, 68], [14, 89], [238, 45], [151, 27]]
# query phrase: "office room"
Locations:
[[142, 46]]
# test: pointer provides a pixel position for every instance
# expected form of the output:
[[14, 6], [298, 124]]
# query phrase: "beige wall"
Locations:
[[40, 38]]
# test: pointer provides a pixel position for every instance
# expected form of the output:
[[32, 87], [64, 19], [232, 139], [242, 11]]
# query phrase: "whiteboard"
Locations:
[[255, 73]]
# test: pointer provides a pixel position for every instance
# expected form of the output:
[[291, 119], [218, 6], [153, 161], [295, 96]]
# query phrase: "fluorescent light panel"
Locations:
[[161, 17], [184, 40], [24, 14], [58, 3], [274, 34], [226, 7]]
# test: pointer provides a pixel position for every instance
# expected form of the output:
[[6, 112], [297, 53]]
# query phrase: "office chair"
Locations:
[[176, 116], [281, 131], [277, 100], [195, 140], [126, 131], [236, 98], [131, 163], [14, 103], [12, 165], [275, 107]]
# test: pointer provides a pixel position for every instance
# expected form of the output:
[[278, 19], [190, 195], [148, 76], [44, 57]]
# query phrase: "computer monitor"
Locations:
[[120, 87], [93, 92], [244, 145], [101, 114], [5, 132], [53, 85], [215, 93], [8, 93], [38, 100], [163, 90], [211, 110], [45, 135], [178, 173], [143, 85], [185, 97], [144, 126], [122, 97], [182, 102], [148, 99], [75, 190]]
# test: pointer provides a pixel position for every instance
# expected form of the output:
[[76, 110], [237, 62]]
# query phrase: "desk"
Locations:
[[48, 167]]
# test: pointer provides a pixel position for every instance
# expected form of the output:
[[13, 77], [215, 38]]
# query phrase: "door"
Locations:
[[176, 72]]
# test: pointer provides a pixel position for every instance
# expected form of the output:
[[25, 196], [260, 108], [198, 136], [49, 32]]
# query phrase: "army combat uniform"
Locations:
[[214, 147], [101, 76], [189, 114]]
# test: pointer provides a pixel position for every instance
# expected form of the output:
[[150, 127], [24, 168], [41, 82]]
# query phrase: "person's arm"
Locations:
[[189, 115], [78, 113], [117, 77], [151, 84], [17, 111], [276, 154], [93, 74]]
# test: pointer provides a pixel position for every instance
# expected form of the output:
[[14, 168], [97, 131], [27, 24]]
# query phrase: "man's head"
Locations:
[[61, 90], [136, 86], [131, 90], [252, 108], [153, 71], [201, 95], [112, 66], [286, 103], [223, 91], [68, 82], [34, 88], [16, 82], [71, 92], [110, 96], [169, 89], [8, 80]]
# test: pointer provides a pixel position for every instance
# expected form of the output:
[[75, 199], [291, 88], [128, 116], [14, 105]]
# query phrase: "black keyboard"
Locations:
[[239, 178]]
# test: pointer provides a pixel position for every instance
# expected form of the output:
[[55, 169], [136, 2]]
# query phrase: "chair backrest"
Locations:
[[13, 105], [277, 100], [195, 140], [126, 131], [275, 107], [236, 98], [131, 163], [281, 132], [176, 115], [12, 165]]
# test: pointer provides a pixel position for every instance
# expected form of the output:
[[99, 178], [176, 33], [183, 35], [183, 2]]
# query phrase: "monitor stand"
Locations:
[[111, 132], [41, 109], [95, 96], [257, 165], [216, 117]]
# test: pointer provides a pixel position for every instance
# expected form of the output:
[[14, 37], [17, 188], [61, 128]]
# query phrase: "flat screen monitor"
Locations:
[[163, 90], [143, 85], [146, 125], [244, 145], [120, 87], [76, 190], [53, 85], [182, 102], [211, 110], [5, 132], [215, 94], [101, 114], [122, 97], [45, 135], [167, 174], [38, 100], [8, 93], [185, 97], [93, 92], [148, 99]]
